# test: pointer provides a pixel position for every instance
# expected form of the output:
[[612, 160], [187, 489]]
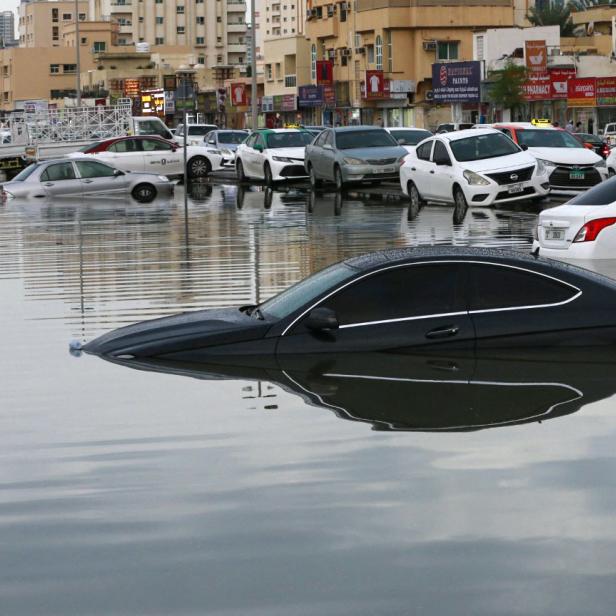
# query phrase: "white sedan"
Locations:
[[152, 155], [583, 228], [408, 136], [273, 155], [478, 167]]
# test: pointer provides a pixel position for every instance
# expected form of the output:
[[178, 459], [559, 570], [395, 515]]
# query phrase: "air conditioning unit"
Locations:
[[361, 50], [331, 54], [308, 13], [346, 52], [429, 45]]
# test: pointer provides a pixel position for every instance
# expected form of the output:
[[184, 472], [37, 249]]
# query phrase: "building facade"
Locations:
[[41, 21], [7, 28]]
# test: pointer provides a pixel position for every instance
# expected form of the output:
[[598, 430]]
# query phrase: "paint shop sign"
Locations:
[[456, 82]]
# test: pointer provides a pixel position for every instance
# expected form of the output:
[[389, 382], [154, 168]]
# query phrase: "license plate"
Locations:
[[555, 234], [576, 174], [515, 188], [384, 170]]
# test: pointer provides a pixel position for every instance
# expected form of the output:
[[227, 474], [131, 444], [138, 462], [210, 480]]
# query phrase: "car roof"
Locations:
[[350, 129], [468, 132], [269, 131], [390, 128], [399, 256]]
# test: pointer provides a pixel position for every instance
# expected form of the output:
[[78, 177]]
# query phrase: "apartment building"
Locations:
[[7, 27], [41, 21]]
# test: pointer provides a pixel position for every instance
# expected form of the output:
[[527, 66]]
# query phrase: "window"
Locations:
[[370, 50], [447, 50], [150, 145], [160, 20], [440, 152], [313, 63], [200, 20], [200, 40], [69, 68], [180, 29], [159, 40], [179, 9], [92, 169], [495, 287], [99, 46], [480, 47], [378, 46], [268, 70], [483, 146], [126, 145], [423, 151], [390, 51], [399, 293], [54, 69], [56, 173], [67, 16]]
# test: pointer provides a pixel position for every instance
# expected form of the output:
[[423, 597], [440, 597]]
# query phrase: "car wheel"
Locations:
[[239, 171], [459, 198], [338, 179], [416, 202], [144, 193], [198, 167], [314, 180], [267, 175]]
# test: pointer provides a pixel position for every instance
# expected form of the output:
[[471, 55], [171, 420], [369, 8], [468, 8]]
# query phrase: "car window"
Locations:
[[600, 194], [93, 169], [369, 138], [89, 146], [150, 145], [232, 137], [495, 287], [481, 147], [423, 151], [24, 174], [440, 152], [292, 139], [399, 293], [58, 172], [211, 139], [410, 137], [445, 128], [547, 138], [126, 145], [320, 140], [200, 131], [179, 131], [505, 131], [329, 138], [250, 141], [150, 127], [261, 141]]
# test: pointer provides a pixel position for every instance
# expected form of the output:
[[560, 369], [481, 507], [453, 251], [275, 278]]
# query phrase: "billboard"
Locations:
[[558, 80], [581, 92], [606, 91], [456, 82], [310, 96], [374, 84], [325, 72], [537, 87], [536, 55]]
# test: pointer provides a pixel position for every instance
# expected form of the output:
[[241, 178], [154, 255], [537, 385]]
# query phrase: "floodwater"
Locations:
[[463, 485]]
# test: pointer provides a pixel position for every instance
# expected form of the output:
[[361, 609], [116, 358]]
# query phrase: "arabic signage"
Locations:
[[536, 56], [325, 72], [606, 91], [279, 102], [581, 92], [558, 81], [538, 88], [456, 82], [374, 85], [310, 96]]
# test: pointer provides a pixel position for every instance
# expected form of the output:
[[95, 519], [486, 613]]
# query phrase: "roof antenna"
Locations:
[[535, 252]]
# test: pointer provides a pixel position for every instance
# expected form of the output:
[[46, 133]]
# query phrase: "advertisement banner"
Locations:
[[267, 104], [310, 96], [536, 55], [329, 96], [289, 102], [558, 81], [375, 84], [169, 103], [581, 92], [606, 91], [239, 95], [456, 82], [538, 88], [325, 72]]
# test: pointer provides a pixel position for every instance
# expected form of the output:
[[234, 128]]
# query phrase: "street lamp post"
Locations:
[[78, 57], [253, 64]]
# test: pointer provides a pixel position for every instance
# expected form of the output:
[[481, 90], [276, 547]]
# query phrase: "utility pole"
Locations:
[[78, 56], [253, 64]]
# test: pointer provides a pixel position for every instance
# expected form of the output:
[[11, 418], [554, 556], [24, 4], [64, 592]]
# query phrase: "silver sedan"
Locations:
[[83, 177]]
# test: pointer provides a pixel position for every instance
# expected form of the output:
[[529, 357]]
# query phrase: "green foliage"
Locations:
[[552, 15], [507, 82]]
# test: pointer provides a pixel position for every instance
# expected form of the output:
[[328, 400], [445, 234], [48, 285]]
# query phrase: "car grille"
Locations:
[[560, 177], [505, 194], [381, 161], [512, 177], [293, 171]]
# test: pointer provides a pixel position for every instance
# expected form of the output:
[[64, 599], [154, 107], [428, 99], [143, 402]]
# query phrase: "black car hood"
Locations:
[[186, 332]]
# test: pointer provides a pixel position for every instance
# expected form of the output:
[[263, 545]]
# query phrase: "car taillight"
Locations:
[[605, 150], [589, 232], [589, 146]]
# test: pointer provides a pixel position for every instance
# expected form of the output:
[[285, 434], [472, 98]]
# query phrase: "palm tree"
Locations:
[[552, 15]]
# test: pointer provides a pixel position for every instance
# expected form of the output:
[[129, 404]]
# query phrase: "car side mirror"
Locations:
[[321, 319], [328, 146], [258, 147], [117, 173], [524, 147]]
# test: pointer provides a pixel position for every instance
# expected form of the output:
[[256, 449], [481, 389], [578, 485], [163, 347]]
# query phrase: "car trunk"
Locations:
[[557, 230]]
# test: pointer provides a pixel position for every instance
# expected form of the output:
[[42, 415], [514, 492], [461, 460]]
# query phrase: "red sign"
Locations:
[[536, 55], [325, 72], [538, 88], [375, 84], [581, 92], [558, 81], [606, 91], [239, 95]]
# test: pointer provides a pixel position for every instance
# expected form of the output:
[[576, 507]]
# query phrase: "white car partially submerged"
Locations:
[[583, 228], [479, 167]]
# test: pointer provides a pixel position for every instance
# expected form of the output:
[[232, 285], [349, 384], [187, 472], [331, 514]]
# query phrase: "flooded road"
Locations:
[[295, 491]]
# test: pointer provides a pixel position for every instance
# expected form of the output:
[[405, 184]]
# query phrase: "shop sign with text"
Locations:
[[581, 92], [456, 82]]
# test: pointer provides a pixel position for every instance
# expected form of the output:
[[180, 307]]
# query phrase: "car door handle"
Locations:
[[87, 181], [443, 332], [413, 168], [431, 170], [49, 184]]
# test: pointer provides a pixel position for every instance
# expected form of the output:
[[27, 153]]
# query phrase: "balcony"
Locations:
[[236, 27], [236, 7], [236, 48], [119, 3]]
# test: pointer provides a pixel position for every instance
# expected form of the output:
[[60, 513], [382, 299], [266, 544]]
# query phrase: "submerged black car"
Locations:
[[396, 300]]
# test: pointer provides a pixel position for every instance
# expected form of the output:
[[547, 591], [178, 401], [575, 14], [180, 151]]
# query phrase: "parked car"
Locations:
[[354, 154], [449, 127], [196, 133], [570, 165], [582, 228], [81, 177], [315, 131], [272, 155], [152, 154], [609, 133], [431, 298], [611, 162], [408, 137], [594, 143], [224, 143], [479, 166]]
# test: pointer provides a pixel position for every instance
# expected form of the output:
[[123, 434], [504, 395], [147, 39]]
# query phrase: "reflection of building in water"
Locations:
[[263, 393]]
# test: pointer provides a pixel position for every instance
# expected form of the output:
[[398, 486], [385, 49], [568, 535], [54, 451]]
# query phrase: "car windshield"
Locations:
[[89, 146], [601, 194], [25, 173], [479, 147], [410, 137], [232, 137], [547, 138], [349, 140], [288, 140], [200, 130], [305, 291]]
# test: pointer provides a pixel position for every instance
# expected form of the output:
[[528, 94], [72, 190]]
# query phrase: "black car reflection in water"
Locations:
[[461, 392], [398, 300]]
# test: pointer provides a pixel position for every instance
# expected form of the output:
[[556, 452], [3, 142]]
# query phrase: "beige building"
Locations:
[[41, 21]]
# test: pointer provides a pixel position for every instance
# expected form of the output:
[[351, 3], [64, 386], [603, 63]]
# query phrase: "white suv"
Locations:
[[478, 167]]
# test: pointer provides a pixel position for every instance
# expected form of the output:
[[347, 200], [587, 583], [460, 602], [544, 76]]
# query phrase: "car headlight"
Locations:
[[600, 164], [548, 164], [226, 152], [215, 152], [349, 160], [474, 179], [541, 167], [7, 195], [163, 178], [282, 159]]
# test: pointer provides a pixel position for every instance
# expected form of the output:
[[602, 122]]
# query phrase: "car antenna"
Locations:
[[535, 252]]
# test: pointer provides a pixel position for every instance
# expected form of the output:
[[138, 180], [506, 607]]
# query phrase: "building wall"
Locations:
[[7, 26], [281, 18], [288, 62], [40, 22]]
